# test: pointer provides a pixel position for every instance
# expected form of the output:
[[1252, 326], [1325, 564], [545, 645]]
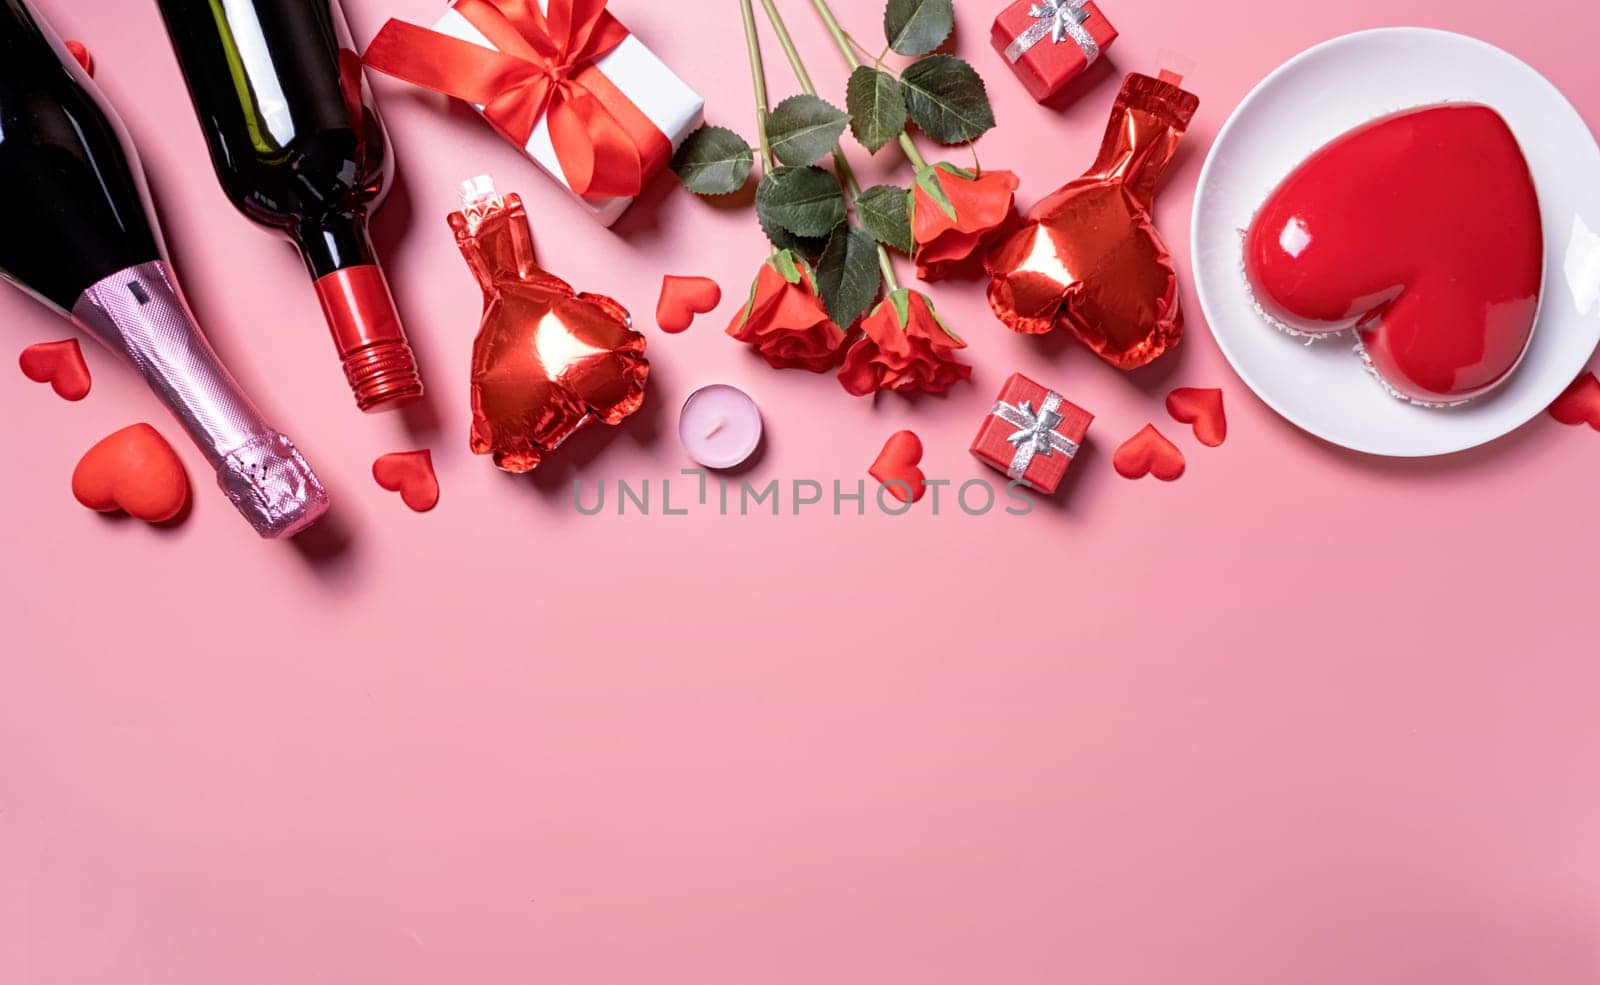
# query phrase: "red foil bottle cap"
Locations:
[[378, 363]]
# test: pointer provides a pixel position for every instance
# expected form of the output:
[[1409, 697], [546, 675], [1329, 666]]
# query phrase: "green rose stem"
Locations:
[[840, 163], [848, 51], [758, 76]]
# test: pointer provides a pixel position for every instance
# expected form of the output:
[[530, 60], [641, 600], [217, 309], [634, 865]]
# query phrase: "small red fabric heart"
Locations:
[[59, 364], [897, 464], [81, 53], [1422, 232], [684, 297], [409, 473], [133, 470], [1148, 453], [1579, 403], [1201, 407]]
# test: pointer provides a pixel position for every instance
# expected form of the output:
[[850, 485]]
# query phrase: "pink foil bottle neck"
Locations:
[[140, 313]]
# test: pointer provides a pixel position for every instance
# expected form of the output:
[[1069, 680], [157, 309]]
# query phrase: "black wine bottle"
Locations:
[[74, 211], [299, 148], [78, 234]]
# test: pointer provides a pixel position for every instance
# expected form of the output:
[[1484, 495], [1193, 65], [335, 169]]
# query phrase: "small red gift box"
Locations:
[[1048, 43], [1031, 434]]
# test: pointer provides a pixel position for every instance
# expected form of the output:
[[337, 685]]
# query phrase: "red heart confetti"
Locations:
[[59, 364], [133, 470], [79, 52], [1148, 453], [409, 473], [897, 464], [1201, 407], [1579, 403], [684, 297], [1437, 267]]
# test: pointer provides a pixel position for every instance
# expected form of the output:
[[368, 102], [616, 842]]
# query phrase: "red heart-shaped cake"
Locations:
[[1421, 232]]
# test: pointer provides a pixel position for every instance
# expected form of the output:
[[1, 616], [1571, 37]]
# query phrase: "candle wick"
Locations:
[[715, 427]]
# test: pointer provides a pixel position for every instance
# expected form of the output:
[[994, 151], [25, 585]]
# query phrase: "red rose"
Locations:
[[906, 348], [785, 320], [955, 213]]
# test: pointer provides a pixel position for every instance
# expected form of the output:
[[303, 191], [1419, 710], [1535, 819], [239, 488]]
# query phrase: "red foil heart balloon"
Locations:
[[133, 470], [1090, 260], [547, 359], [1421, 231]]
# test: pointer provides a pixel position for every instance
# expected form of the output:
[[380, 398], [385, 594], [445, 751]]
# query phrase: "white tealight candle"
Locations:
[[720, 426]]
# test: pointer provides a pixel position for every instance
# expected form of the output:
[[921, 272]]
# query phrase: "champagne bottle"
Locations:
[[299, 148], [79, 235]]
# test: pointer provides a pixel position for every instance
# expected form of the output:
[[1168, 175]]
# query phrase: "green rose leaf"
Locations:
[[804, 201], [884, 212], [877, 107], [804, 128], [848, 276], [809, 247], [713, 161], [947, 99], [916, 27]]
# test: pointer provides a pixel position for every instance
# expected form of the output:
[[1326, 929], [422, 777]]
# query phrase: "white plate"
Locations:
[[1318, 95]]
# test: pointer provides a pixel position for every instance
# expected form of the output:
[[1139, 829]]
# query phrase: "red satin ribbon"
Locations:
[[544, 67]]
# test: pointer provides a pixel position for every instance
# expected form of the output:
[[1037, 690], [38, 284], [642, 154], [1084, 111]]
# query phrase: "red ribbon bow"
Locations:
[[544, 67]]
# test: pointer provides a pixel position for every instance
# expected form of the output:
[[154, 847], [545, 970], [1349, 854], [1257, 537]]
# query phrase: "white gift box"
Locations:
[[666, 100]]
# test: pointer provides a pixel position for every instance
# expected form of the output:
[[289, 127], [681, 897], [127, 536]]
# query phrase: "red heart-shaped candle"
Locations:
[[1421, 231], [133, 470]]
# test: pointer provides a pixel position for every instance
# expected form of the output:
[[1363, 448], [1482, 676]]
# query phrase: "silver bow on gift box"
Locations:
[[1057, 20], [1036, 432]]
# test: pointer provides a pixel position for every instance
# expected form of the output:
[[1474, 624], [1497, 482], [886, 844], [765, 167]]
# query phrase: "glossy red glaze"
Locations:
[[1422, 231]]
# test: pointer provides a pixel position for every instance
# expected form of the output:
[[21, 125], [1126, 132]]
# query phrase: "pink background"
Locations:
[[1300, 716]]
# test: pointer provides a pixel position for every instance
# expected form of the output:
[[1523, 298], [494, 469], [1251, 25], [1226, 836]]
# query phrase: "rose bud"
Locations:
[[907, 348], [955, 214], [785, 320]]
